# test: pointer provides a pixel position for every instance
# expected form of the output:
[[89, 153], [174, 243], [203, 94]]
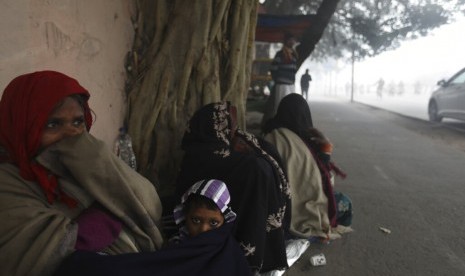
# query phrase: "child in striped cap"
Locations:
[[203, 207]]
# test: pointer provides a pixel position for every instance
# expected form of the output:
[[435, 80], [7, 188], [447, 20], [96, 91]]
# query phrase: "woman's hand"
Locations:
[[97, 228]]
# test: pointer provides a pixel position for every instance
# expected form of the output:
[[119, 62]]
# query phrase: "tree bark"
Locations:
[[185, 54], [313, 34]]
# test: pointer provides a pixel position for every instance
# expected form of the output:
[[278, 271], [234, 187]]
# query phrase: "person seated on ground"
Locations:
[[305, 151], [216, 149], [205, 207], [204, 246], [61, 189]]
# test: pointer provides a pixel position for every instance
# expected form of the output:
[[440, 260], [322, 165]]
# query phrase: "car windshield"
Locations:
[[459, 79]]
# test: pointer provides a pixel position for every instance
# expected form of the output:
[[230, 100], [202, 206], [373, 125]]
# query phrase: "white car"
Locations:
[[449, 100]]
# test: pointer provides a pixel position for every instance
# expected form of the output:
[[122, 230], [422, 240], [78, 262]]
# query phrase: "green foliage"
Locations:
[[370, 27]]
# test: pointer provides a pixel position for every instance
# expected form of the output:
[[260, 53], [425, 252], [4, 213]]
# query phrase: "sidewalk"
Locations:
[[411, 105]]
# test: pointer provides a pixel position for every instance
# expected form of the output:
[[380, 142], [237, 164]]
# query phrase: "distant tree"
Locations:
[[461, 6], [314, 33], [369, 27]]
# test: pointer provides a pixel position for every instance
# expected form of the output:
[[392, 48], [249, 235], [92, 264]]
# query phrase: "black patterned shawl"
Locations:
[[257, 184]]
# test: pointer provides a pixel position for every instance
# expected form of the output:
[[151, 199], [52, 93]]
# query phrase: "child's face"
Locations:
[[201, 219]]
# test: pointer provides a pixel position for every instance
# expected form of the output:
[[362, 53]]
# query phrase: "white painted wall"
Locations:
[[85, 39]]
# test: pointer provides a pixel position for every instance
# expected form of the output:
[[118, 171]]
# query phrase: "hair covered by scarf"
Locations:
[[25, 107], [213, 189], [211, 127], [293, 113]]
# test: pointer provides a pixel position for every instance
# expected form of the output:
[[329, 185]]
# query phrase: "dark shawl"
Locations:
[[294, 114], [257, 184], [213, 253]]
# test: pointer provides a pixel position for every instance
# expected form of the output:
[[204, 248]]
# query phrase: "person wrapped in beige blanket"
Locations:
[[317, 210]]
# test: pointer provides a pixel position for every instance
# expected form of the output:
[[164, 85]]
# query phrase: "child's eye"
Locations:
[[214, 223], [195, 220]]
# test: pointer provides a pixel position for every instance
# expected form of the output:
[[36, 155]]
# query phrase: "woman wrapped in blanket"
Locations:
[[305, 151], [61, 189], [215, 148]]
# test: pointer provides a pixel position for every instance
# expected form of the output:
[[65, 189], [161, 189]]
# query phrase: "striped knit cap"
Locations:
[[213, 189]]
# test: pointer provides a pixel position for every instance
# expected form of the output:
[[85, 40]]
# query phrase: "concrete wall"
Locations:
[[85, 39]]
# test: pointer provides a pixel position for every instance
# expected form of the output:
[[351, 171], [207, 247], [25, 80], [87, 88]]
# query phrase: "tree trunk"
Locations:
[[313, 34], [185, 54]]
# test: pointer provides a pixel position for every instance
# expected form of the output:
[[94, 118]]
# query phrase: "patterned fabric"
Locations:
[[218, 135], [254, 176], [213, 189]]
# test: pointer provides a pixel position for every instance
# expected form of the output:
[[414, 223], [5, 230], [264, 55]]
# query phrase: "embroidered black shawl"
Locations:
[[257, 184]]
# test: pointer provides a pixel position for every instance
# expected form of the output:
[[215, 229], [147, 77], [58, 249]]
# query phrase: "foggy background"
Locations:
[[410, 73]]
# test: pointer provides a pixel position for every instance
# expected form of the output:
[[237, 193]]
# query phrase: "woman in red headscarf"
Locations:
[[61, 189]]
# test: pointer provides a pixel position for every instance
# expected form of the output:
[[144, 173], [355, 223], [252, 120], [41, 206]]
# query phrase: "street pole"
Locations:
[[353, 55], [353, 73]]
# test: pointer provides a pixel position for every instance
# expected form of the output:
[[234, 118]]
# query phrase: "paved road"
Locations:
[[405, 175]]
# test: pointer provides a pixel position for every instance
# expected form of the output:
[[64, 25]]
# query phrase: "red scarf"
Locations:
[[26, 104]]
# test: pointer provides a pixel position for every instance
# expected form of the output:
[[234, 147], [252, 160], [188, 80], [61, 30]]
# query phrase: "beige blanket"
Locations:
[[35, 236], [309, 203]]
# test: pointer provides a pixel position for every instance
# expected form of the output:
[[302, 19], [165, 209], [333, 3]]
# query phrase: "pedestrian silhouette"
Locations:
[[305, 83], [379, 88]]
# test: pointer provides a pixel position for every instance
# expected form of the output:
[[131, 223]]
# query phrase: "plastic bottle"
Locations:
[[123, 148]]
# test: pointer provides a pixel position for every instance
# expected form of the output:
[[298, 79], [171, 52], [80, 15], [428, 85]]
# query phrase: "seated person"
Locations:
[[216, 149], [204, 247], [61, 189], [306, 153], [204, 207]]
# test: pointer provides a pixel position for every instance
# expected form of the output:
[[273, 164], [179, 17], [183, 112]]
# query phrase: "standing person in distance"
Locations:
[[305, 83], [283, 70]]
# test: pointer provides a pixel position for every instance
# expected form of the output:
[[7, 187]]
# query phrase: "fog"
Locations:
[[409, 74]]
